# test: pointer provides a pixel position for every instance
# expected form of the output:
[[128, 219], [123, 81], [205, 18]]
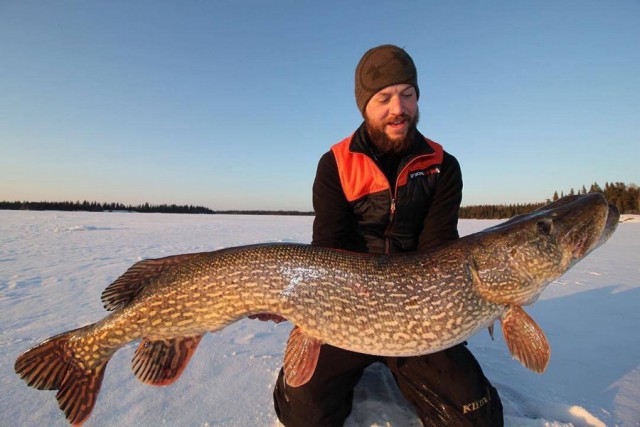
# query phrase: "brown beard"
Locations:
[[388, 146]]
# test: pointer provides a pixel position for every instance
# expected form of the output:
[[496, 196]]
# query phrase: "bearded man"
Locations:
[[386, 189]]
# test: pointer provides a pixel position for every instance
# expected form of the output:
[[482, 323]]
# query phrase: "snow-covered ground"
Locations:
[[54, 265]]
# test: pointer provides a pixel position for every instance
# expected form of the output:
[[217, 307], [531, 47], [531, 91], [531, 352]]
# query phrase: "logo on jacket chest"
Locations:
[[418, 174]]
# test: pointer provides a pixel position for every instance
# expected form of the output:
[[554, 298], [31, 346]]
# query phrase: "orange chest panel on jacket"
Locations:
[[360, 176]]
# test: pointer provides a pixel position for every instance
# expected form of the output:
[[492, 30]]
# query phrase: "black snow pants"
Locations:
[[446, 388]]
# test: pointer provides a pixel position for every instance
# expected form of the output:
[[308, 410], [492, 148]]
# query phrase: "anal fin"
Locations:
[[525, 339], [300, 358], [161, 362]]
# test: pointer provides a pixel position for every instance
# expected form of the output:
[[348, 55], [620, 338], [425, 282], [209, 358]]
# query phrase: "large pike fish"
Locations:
[[389, 305]]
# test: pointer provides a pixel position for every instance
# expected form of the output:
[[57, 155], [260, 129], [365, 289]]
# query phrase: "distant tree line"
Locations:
[[145, 208], [266, 212], [497, 211], [625, 197], [103, 207]]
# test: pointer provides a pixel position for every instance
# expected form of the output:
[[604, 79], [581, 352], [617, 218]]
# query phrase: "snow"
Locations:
[[54, 265]]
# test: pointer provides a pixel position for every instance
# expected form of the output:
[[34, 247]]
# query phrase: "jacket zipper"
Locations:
[[392, 209], [392, 213]]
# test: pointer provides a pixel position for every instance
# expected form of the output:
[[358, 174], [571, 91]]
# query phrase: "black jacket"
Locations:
[[354, 202]]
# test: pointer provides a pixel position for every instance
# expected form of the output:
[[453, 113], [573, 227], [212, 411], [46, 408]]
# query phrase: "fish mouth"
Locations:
[[613, 219], [582, 242], [595, 225]]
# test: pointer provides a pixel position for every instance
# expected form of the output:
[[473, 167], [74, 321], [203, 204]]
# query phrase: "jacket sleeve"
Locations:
[[441, 223], [334, 224]]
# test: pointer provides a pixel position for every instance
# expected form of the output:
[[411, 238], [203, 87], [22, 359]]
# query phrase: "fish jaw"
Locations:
[[593, 224], [513, 262]]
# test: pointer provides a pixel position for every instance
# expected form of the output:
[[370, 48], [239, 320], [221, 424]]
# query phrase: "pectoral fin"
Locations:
[[525, 339], [161, 362], [300, 358], [504, 291]]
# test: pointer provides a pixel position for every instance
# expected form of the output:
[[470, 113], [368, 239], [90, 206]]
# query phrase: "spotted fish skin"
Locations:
[[398, 305], [391, 305]]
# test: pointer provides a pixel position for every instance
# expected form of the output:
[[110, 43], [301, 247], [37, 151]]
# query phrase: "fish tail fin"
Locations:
[[50, 365]]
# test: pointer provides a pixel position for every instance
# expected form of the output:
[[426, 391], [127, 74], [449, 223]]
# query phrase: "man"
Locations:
[[386, 189]]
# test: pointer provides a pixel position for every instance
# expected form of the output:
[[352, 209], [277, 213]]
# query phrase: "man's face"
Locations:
[[391, 116]]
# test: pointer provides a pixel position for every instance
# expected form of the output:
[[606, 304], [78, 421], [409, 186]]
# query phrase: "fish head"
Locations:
[[514, 261]]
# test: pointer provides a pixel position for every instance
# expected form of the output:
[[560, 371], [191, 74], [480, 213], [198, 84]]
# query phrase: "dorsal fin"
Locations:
[[300, 358], [525, 339], [125, 288], [161, 362]]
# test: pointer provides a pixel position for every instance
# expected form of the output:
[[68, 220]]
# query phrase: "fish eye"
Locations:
[[544, 227]]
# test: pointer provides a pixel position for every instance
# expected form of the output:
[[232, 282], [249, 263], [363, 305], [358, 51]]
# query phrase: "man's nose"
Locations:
[[396, 107]]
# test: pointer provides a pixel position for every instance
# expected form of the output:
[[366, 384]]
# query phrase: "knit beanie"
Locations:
[[380, 67]]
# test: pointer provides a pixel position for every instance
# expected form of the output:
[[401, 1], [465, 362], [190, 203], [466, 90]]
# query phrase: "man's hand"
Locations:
[[268, 316]]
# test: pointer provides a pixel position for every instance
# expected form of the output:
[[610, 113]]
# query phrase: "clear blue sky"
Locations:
[[230, 104]]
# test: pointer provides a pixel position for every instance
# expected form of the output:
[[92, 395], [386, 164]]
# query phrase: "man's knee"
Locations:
[[448, 388], [327, 398], [300, 407]]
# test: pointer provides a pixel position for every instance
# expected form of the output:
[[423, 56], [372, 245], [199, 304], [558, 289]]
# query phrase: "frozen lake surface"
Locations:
[[54, 266]]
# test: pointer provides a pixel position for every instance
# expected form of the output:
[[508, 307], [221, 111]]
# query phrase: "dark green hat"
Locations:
[[380, 67]]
